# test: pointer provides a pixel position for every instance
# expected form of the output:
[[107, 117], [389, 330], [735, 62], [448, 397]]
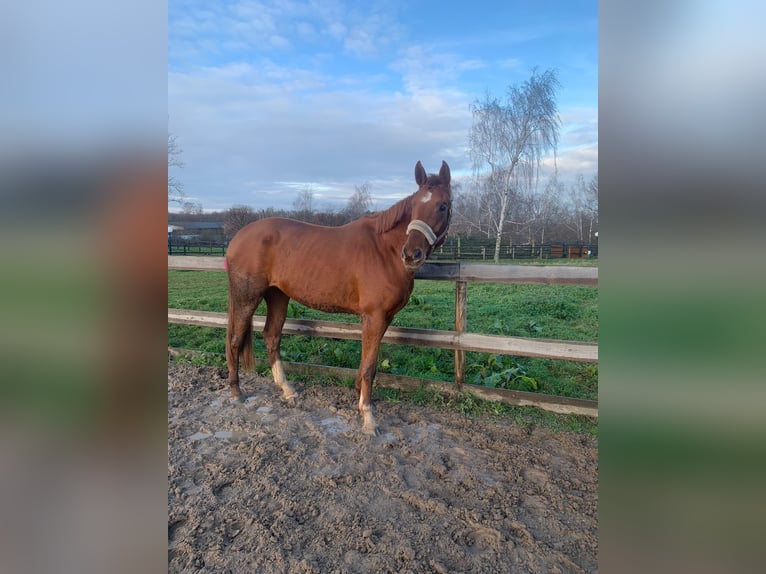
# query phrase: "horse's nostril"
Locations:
[[417, 254]]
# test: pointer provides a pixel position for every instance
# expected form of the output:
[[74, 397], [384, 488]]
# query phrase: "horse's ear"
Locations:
[[420, 174], [444, 174]]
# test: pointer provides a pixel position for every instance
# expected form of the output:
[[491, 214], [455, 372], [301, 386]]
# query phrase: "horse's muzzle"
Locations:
[[413, 259]]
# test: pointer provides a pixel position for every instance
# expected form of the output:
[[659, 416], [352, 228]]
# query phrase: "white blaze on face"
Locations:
[[426, 197]]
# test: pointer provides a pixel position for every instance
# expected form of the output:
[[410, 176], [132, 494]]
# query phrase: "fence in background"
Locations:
[[454, 248]]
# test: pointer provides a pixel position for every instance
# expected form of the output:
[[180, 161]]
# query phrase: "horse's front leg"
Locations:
[[276, 312], [373, 329]]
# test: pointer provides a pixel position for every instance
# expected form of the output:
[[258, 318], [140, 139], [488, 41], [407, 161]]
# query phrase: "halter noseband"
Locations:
[[426, 230]]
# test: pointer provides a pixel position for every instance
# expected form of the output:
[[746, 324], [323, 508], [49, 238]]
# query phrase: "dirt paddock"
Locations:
[[263, 486]]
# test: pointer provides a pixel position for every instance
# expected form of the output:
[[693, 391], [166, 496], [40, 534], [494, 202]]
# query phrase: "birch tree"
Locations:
[[175, 188], [548, 210], [583, 206], [510, 137], [591, 203]]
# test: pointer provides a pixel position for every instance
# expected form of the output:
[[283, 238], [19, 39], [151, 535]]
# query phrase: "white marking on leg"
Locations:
[[278, 372], [426, 197], [281, 380], [368, 425]]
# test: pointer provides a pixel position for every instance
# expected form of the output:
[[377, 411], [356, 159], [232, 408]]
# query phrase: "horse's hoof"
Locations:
[[370, 430], [291, 400], [237, 398]]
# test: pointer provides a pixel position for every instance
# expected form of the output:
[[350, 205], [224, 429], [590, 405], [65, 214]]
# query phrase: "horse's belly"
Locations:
[[319, 306], [330, 300]]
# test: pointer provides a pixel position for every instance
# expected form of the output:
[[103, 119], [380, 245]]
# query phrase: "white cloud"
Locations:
[[579, 127], [510, 63], [337, 30], [246, 136], [424, 69], [247, 129], [360, 42], [573, 162], [256, 128], [306, 31]]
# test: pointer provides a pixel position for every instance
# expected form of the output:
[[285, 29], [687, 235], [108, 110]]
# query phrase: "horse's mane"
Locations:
[[391, 217], [401, 210]]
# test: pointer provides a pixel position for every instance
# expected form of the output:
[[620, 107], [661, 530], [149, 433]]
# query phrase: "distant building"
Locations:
[[191, 230], [196, 225]]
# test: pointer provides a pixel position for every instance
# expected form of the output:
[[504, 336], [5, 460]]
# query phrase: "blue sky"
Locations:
[[267, 97]]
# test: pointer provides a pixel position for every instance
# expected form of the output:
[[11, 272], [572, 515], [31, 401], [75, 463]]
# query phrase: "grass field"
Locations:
[[545, 311]]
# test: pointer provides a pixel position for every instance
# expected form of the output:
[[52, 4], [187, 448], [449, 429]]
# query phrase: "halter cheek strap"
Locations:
[[424, 228]]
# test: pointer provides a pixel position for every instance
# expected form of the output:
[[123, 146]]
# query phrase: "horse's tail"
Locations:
[[246, 353]]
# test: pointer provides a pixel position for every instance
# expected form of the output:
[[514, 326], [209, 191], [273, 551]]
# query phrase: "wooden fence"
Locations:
[[458, 340], [454, 248], [457, 248], [196, 247]]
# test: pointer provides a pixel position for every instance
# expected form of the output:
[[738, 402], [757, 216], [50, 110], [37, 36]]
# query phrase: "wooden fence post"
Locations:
[[461, 306]]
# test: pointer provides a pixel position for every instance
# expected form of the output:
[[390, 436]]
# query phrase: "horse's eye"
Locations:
[[443, 207]]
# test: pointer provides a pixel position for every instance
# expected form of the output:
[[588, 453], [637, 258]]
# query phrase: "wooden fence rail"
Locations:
[[459, 271], [454, 248], [457, 340]]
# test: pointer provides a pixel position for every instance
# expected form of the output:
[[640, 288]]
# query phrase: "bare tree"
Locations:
[[509, 139], [304, 204], [359, 203], [235, 218], [175, 188], [496, 206], [192, 208], [583, 209], [466, 212], [547, 207], [591, 206]]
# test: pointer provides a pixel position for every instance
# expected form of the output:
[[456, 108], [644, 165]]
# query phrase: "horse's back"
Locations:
[[260, 235], [262, 228], [285, 250], [276, 233]]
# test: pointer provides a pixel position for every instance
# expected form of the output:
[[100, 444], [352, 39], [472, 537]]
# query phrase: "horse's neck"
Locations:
[[395, 218]]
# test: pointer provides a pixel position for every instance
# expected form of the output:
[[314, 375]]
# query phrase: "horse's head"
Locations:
[[431, 212]]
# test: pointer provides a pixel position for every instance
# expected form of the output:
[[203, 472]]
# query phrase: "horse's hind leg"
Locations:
[[276, 302], [239, 332], [239, 342]]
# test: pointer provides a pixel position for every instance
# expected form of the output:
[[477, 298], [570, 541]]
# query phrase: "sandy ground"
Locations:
[[263, 486]]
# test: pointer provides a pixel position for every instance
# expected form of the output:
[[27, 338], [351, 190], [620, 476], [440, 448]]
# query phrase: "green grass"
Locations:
[[536, 311], [474, 407]]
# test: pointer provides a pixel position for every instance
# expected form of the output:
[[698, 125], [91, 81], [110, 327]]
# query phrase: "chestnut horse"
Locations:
[[366, 267]]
